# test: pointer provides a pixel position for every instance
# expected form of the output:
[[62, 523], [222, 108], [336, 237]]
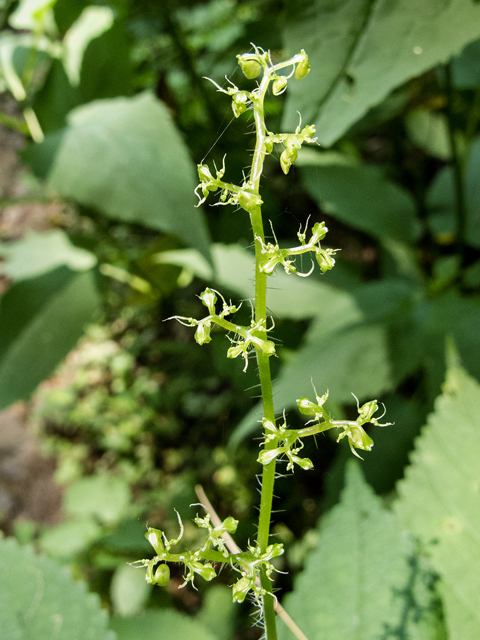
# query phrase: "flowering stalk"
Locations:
[[254, 565]]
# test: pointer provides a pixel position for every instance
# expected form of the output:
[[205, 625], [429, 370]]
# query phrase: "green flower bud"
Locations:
[[266, 457], [251, 68], [162, 575], [240, 589], [202, 334], [279, 85], [307, 407], [154, 536], [249, 201], [268, 425], [325, 259], [204, 173], [304, 463], [268, 347], [273, 551], [287, 158], [205, 570], [233, 352], [238, 108], [230, 524], [365, 413], [319, 232], [209, 299], [358, 437], [268, 146], [303, 67]]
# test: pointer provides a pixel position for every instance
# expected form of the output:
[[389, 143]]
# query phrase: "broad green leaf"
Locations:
[[92, 22], [129, 590], [69, 539], [39, 599], [362, 197], [466, 67], [103, 65], [429, 131], [447, 315], [352, 361], [105, 498], [441, 200], [38, 253], [363, 581], [164, 624], [41, 319], [125, 158], [218, 611], [439, 500], [384, 464], [361, 50]]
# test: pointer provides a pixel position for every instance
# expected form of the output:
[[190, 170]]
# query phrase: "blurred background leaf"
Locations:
[[439, 499], [40, 598], [371, 585]]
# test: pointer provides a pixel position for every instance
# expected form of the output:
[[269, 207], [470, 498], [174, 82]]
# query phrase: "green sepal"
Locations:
[[249, 201], [161, 577], [202, 334], [209, 299], [325, 259], [287, 158], [206, 571], [307, 407], [319, 231], [251, 68], [229, 524], [267, 456], [279, 85], [303, 67], [154, 536], [240, 589]]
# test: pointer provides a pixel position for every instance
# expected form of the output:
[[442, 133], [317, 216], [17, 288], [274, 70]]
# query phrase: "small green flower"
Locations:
[[202, 334], [279, 85], [303, 67], [250, 65], [357, 438]]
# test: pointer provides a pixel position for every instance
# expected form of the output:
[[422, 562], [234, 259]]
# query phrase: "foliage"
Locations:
[[373, 585], [439, 498], [113, 105], [40, 598]]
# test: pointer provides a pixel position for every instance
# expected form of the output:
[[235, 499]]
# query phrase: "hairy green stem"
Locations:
[[268, 474]]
